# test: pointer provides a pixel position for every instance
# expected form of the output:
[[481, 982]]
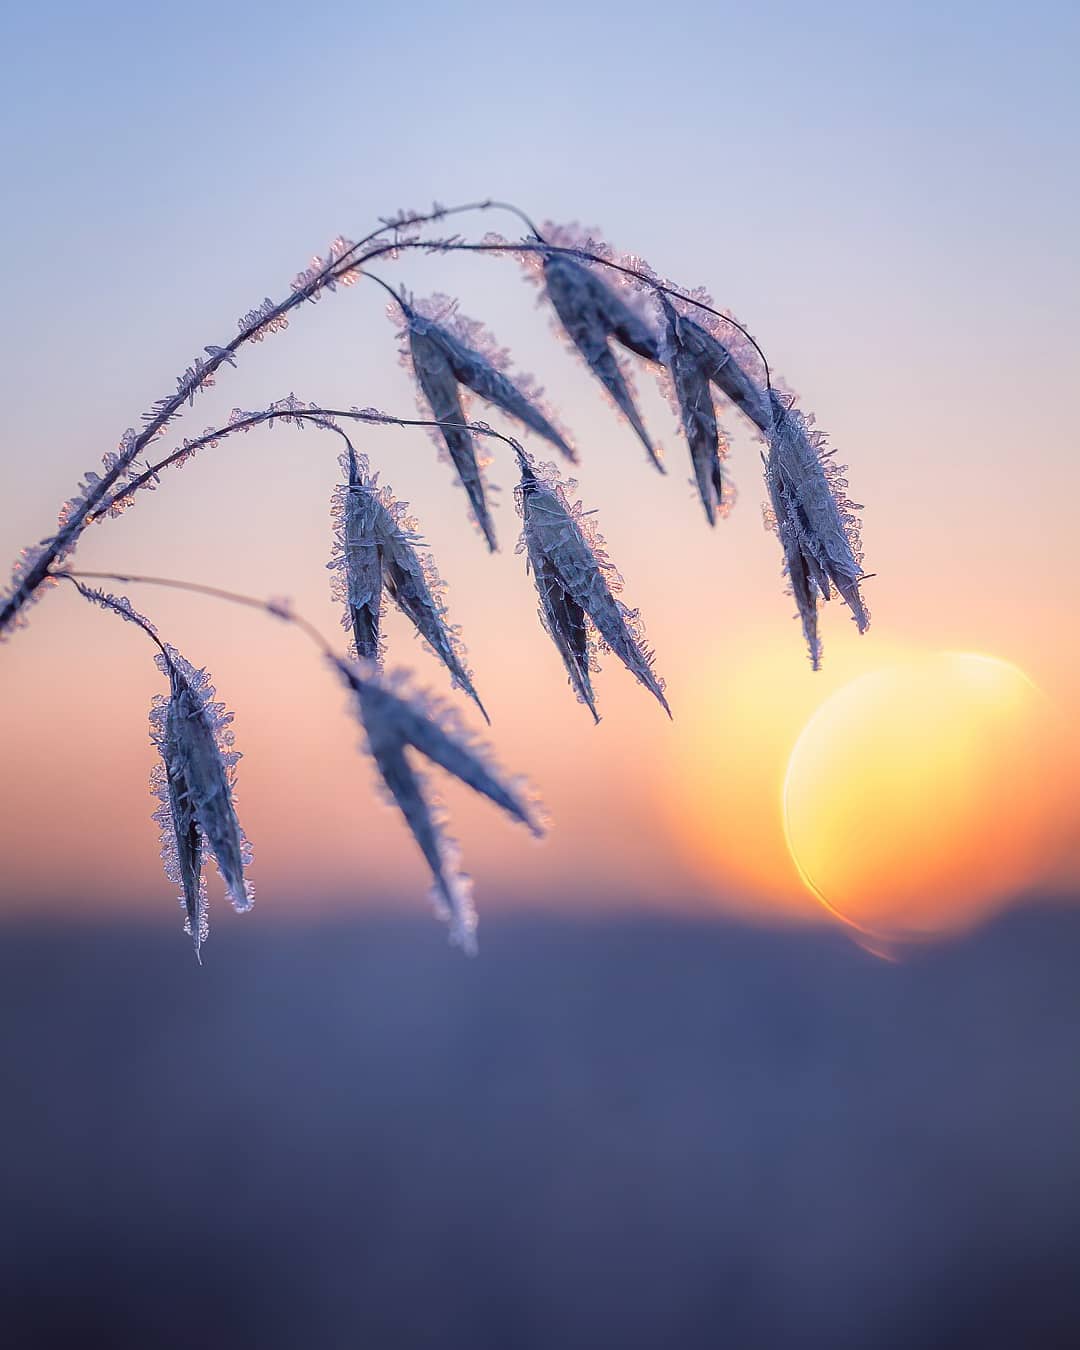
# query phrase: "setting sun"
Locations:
[[919, 797]]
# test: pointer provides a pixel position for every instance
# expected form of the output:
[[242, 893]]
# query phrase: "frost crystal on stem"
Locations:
[[396, 720], [577, 584]]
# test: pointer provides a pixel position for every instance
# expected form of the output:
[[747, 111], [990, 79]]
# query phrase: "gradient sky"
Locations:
[[887, 196]]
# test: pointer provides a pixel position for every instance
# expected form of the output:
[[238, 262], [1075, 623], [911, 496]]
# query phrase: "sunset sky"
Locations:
[[886, 196]]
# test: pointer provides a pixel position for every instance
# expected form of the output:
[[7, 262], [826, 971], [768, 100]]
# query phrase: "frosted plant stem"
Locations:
[[61, 544], [321, 417], [76, 580], [277, 610], [338, 269]]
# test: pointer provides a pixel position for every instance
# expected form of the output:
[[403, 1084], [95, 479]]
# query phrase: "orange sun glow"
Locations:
[[920, 797]]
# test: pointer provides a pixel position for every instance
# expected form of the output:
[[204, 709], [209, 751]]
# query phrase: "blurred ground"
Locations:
[[635, 1133]]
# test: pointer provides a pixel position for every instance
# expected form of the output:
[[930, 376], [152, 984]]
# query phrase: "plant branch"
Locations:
[[583, 255], [318, 416], [277, 609], [99, 598], [194, 381]]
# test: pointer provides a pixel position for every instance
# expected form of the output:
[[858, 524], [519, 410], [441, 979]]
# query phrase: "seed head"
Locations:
[[378, 547], [576, 583], [590, 313], [399, 721], [195, 784], [815, 521]]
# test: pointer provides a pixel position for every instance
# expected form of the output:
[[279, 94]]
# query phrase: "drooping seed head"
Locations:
[[577, 584], [439, 388], [356, 561], [181, 838], [398, 721], [799, 569], [483, 366], [590, 314], [719, 364], [377, 546], [196, 787], [816, 523], [823, 516], [692, 396]]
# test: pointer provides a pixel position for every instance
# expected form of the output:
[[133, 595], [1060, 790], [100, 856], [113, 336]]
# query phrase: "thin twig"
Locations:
[[318, 417], [278, 611]]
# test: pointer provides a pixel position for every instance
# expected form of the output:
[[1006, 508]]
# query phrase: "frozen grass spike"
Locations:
[[397, 720], [693, 394], [439, 387], [377, 547], [576, 582], [591, 313]]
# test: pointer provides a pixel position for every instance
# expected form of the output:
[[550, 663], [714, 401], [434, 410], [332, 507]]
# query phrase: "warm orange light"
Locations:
[[738, 718], [920, 797]]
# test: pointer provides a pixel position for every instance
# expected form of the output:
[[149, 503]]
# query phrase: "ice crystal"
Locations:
[[264, 319], [313, 279], [25, 563], [195, 786], [377, 546], [119, 605], [122, 460], [577, 584], [200, 373], [285, 410], [397, 720]]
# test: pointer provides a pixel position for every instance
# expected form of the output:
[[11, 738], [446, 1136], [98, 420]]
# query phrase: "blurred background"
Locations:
[[680, 1096]]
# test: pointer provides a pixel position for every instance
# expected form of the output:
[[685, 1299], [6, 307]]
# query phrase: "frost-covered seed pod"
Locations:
[[471, 369], [575, 581], [439, 387], [693, 394], [397, 720], [824, 519], [591, 313], [182, 839], [725, 372], [195, 784], [804, 587], [377, 546]]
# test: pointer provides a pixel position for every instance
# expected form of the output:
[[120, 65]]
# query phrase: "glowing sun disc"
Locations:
[[920, 797]]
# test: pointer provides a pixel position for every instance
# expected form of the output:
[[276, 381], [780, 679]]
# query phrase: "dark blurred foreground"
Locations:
[[600, 1134]]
